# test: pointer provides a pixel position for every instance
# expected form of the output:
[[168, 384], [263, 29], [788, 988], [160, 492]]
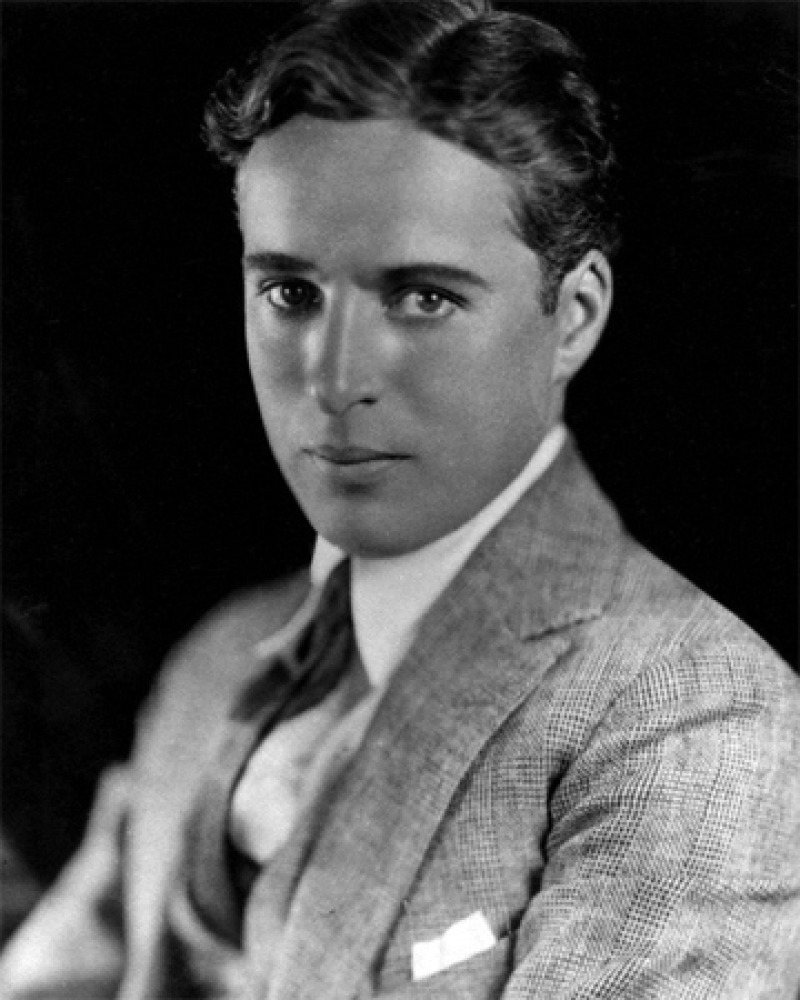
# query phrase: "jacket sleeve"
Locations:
[[673, 864], [73, 944]]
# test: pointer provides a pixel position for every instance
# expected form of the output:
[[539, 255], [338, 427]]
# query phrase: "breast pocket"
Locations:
[[482, 977]]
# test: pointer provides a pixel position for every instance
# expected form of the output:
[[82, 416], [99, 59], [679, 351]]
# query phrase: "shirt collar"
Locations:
[[409, 584]]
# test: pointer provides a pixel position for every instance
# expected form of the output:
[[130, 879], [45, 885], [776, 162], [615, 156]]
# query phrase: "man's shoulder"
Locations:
[[653, 603], [207, 667], [663, 636], [628, 607], [231, 629]]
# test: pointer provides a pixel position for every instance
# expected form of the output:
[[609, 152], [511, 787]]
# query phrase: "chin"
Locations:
[[363, 539], [364, 545], [376, 530]]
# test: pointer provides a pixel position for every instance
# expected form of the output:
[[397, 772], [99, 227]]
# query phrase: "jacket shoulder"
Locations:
[[205, 670], [653, 602], [664, 640]]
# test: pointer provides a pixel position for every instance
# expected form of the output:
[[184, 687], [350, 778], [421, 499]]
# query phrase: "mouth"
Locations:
[[351, 455], [353, 463]]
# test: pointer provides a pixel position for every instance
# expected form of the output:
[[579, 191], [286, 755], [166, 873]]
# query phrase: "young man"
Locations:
[[539, 763]]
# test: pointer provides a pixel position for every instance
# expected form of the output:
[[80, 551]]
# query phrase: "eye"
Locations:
[[291, 296], [423, 303]]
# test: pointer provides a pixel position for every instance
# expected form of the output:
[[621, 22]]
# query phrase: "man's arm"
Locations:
[[674, 855], [73, 945]]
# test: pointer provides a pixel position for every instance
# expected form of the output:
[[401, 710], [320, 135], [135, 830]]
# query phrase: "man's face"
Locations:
[[401, 361]]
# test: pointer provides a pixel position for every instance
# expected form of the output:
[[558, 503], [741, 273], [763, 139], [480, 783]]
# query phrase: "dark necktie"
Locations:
[[298, 678]]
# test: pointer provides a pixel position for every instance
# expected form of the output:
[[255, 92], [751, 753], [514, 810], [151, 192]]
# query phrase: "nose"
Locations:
[[343, 365]]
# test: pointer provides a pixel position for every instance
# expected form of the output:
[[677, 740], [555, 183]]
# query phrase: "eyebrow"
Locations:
[[406, 274], [423, 271], [272, 260]]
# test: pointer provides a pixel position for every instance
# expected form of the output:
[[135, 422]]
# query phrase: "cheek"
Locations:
[[524, 366], [276, 362], [491, 377], [505, 401]]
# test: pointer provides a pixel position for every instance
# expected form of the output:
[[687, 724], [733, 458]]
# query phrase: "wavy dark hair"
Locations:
[[509, 88]]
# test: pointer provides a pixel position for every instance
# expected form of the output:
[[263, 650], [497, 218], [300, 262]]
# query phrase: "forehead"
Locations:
[[380, 186]]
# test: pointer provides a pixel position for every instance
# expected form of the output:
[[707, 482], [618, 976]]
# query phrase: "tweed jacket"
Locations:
[[580, 746]]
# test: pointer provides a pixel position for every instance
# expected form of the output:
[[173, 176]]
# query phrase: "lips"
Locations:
[[351, 454], [354, 467]]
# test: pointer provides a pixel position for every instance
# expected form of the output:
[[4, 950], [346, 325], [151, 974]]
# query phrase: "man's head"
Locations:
[[421, 191], [508, 88]]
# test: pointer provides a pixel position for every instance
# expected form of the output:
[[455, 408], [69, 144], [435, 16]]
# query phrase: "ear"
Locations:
[[583, 306]]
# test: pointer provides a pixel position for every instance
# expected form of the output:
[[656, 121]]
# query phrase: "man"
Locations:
[[540, 764]]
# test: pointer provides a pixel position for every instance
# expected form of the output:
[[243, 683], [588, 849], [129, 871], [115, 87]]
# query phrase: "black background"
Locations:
[[138, 486]]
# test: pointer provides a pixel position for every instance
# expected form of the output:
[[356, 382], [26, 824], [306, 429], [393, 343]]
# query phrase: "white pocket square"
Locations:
[[468, 937]]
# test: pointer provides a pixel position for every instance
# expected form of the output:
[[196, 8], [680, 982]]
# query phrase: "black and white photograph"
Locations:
[[400, 585]]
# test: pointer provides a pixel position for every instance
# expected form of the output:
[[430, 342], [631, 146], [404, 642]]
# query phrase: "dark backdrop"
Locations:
[[138, 487]]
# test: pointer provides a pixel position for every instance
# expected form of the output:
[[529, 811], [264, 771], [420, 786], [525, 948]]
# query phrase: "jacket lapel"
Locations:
[[336, 891]]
